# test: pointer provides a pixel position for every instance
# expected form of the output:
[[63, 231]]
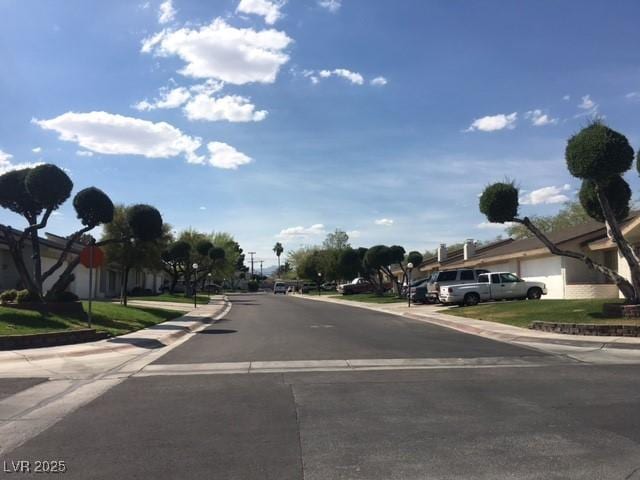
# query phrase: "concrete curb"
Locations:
[[138, 339], [499, 332]]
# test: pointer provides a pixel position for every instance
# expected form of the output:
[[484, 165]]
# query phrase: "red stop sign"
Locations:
[[96, 261]]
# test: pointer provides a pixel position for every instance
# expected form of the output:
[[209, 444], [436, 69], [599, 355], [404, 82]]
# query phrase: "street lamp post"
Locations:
[[319, 280], [409, 268], [210, 284], [195, 285]]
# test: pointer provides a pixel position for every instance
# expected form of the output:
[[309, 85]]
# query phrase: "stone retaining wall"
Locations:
[[15, 342], [591, 329]]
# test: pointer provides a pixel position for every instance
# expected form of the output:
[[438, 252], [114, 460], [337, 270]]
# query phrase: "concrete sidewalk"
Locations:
[[91, 356], [495, 331]]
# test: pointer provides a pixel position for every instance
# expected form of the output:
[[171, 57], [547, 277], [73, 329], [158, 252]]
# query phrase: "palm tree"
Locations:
[[278, 249]]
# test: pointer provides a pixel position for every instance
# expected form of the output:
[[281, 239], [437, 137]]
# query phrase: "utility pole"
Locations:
[[252, 254], [261, 261]]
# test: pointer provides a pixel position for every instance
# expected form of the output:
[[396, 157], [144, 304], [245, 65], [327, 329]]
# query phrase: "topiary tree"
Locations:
[[598, 156], [174, 259], [379, 259], [349, 264], [133, 252], [35, 193]]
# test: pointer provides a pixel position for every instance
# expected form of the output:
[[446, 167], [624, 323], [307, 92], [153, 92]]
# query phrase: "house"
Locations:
[[107, 280], [565, 278]]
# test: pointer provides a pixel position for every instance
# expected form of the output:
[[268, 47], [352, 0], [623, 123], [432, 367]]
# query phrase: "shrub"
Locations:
[[140, 292], [25, 296], [598, 152], [252, 285], [615, 189], [8, 296], [145, 222], [499, 202], [63, 297], [93, 206]]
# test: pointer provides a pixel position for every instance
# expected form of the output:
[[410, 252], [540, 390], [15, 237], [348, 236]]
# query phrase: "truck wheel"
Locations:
[[534, 293], [471, 299]]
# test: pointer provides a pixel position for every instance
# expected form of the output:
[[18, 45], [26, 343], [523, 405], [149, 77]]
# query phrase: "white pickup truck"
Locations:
[[492, 286]]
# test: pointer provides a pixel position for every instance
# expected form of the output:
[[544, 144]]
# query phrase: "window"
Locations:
[[509, 278], [467, 275], [495, 278], [447, 276], [483, 279]]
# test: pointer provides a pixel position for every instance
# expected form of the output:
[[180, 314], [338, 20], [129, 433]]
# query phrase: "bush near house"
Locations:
[[252, 286], [8, 296]]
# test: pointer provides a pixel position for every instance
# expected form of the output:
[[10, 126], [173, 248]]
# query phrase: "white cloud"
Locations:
[[169, 98], [354, 233], [302, 232], [331, 5], [540, 119], [566, 98], [353, 77], [546, 195], [491, 226], [268, 9], [167, 13], [7, 166], [379, 81], [220, 51], [232, 108], [492, 123], [203, 208], [84, 153], [387, 222], [587, 103], [224, 156], [36, 150], [633, 95], [112, 134]]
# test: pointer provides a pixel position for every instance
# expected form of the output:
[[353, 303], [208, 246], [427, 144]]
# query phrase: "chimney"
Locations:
[[442, 252], [469, 249]]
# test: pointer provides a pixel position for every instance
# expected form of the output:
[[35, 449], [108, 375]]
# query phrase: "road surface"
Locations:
[[284, 388]]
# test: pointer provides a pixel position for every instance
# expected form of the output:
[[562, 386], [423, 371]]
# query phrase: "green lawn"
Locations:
[[176, 297], [108, 317], [370, 298], [522, 313]]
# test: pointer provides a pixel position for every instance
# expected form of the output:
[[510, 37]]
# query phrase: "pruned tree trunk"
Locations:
[[15, 249], [125, 280], [626, 287], [626, 250], [37, 261]]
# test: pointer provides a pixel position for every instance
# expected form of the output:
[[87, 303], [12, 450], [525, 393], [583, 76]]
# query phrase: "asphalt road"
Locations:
[[479, 421]]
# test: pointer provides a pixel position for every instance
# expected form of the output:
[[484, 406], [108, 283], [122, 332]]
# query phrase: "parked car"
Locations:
[[357, 285], [450, 277], [280, 287], [418, 290], [329, 286], [306, 287], [361, 285], [493, 286], [407, 288]]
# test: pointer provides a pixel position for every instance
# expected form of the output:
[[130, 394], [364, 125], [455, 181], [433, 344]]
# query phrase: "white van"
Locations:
[[280, 287]]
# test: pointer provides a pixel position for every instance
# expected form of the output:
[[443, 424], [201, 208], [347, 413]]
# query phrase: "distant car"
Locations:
[[493, 286], [280, 287], [329, 286], [357, 285]]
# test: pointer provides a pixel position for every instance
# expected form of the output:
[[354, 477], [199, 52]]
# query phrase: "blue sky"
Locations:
[[281, 121]]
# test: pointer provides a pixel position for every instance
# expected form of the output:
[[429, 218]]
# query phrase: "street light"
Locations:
[[409, 267], [195, 285], [319, 279], [210, 285]]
